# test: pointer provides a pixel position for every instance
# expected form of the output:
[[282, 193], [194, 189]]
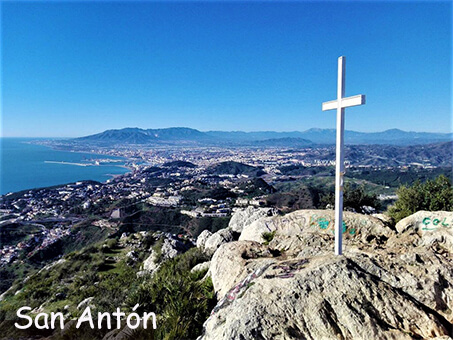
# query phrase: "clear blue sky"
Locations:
[[76, 68]]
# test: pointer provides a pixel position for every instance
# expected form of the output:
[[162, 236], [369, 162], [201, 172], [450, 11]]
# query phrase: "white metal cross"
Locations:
[[340, 104]]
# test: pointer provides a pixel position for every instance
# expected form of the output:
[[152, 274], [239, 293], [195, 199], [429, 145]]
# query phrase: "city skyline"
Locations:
[[72, 69]]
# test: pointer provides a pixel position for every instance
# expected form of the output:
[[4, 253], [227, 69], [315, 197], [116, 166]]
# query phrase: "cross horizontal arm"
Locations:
[[346, 102]]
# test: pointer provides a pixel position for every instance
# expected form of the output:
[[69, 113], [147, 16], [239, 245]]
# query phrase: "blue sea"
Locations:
[[27, 166]]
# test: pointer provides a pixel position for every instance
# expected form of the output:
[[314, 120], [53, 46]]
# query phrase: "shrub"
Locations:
[[157, 248], [432, 195], [300, 198], [355, 197], [268, 236], [212, 224], [181, 301]]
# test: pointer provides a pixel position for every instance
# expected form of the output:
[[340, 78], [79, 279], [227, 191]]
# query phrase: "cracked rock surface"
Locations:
[[389, 284]]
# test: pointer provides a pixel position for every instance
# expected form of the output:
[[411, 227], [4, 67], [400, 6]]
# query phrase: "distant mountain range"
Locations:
[[261, 138], [146, 136], [328, 136], [437, 154]]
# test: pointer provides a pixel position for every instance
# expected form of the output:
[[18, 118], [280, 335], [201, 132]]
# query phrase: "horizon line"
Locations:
[[256, 131]]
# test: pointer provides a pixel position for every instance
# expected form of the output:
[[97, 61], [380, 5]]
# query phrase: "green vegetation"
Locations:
[[301, 170], [14, 271], [268, 236], [92, 272], [13, 233], [220, 193], [179, 164], [82, 235], [235, 168], [355, 197], [315, 192], [300, 197], [396, 177], [256, 187], [432, 195], [149, 218], [75, 278], [157, 249], [180, 299], [315, 186], [213, 224]]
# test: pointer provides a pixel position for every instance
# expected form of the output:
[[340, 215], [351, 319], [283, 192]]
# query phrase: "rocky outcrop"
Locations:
[[170, 248], [173, 247], [132, 256], [244, 217], [325, 297], [150, 264], [202, 239], [204, 266], [432, 227], [426, 221], [388, 284], [217, 239], [84, 303], [359, 227], [229, 263], [209, 242]]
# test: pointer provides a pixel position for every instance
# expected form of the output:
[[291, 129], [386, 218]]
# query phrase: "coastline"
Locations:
[[68, 163], [114, 158], [31, 172]]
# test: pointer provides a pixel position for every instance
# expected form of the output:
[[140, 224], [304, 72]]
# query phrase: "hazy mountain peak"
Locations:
[[135, 135]]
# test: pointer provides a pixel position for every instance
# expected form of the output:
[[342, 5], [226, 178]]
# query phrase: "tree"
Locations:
[[355, 198], [432, 195]]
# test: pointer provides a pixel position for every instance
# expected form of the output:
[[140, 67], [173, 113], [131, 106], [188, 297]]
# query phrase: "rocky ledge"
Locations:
[[281, 280]]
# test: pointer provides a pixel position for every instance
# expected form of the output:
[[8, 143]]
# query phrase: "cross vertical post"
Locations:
[[339, 203], [340, 104]]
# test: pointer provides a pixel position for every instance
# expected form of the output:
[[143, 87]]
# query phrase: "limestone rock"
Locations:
[[385, 218], [387, 285], [84, 303], [217, 239], [51, 265], [133, 256], [425, 221], [244, 217], [228, 264], [326, 297], [173, 247], [203, 237], [434, 229], [358, 227], [150, 264], [3, 295], [201, 267]]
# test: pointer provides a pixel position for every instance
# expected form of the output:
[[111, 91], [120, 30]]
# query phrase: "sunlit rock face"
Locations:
[[389, 284], [246, 216]]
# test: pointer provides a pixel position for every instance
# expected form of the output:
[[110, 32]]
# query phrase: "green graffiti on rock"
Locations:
[[432, 223]]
